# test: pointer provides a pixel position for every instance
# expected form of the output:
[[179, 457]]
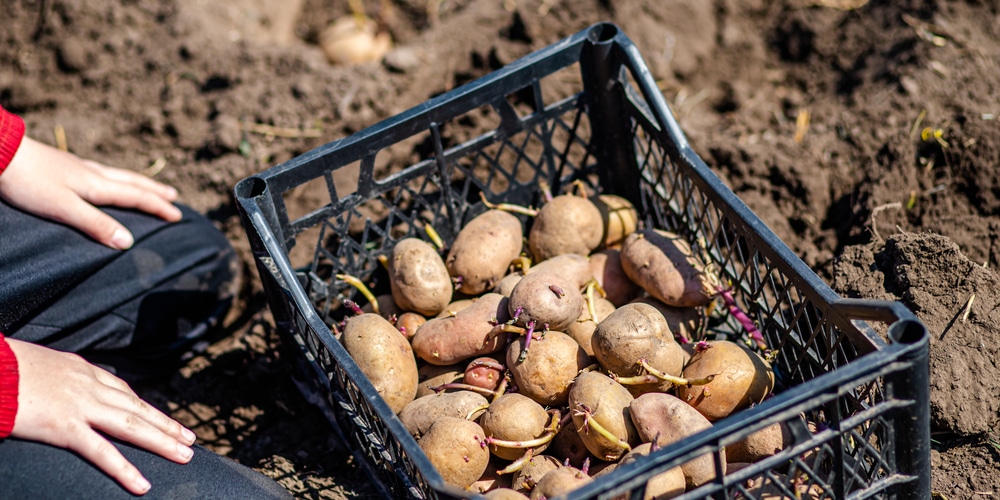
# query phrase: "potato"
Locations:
[[575, 268], [667, 484], [566, 224], [418, 277], [409, 322], [595, 398], [505, 494], [567, 446], [384, 356], [685, 322], [469, 333], [664, 265], [667, 419], [433, 375], [506, 284], [386, 306], [547, 369], [514, 417], [485, 372], [525, 478], [559, 482], [635, 332], [606, 268], [491, 479], [761, 444], [545, 300], [483, 250], [583, 329], [453, 308], [619, 217], [742, 378], [454, 447], [421, 413]]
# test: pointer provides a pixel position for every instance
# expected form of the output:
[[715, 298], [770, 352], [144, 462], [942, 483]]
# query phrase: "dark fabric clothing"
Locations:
[[39, 471], [133, 312]]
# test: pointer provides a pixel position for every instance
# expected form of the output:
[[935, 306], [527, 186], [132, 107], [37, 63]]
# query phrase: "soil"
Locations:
[[866, 135]]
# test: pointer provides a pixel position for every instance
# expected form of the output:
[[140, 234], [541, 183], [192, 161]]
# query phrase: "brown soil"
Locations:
[[172, 88]]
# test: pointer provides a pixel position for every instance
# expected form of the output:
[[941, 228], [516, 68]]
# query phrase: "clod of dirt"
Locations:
[[929, 274]]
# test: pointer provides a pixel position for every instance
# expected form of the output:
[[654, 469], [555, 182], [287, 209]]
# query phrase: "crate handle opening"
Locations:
[[602, 32]]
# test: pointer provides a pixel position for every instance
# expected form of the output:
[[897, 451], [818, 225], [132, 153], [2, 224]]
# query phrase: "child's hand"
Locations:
[[60, 186], [63, 401]]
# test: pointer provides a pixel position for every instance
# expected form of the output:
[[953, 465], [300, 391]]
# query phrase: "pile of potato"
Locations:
[[525, 367]]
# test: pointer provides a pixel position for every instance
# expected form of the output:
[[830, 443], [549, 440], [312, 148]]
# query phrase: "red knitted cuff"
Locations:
[[8, 388], [11, 133]]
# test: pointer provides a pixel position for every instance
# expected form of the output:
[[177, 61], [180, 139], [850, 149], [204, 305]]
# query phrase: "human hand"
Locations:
[[57, 185], [63, 401]]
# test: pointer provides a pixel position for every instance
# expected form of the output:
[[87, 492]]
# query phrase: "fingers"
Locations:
[[138, 180], [100, 452], [94, 223]]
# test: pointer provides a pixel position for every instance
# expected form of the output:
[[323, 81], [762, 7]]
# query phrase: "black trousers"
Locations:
[[132, 312]]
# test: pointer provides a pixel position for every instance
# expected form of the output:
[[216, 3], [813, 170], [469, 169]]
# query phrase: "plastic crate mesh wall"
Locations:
[[551, 145]]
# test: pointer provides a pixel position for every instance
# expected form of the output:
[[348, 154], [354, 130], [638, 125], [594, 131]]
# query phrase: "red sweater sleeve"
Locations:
[[11, 133], [8, 388]]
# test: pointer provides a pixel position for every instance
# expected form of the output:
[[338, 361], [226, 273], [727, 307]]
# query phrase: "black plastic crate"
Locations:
[[615, 133]]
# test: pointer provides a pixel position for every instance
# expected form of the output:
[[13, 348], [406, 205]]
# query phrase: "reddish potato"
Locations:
[[606, 268], [664, 265], [469, 333]]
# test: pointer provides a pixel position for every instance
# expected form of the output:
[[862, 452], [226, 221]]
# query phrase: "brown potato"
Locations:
[[514, 417], [418, 277], [761, 444], [665, 485], [483, 250], [566, 224], [469, 333], [545, 300], [409, 322], [664, 265], [606, 268], [582, 330], [567, 445], [434, 375], [453, 308], [685, 322], [667, 419], [632, 333], [525, 478], [595, 398], [559, 482], [575, 268], [619, 215], [384, 356], [421, 413], [742, 378], [491, 479], [547, 368], [505, 494], [454, 447]]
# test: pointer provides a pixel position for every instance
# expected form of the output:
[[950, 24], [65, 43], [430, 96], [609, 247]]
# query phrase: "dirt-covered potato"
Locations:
[[514, 417], [483, 250], [421, 413], [469, 333], [664, 265], [606, 268], [545, 369], [418, 277], [566, 224], [454, 447], [666, 419], [599, 406], [545, 300], [632, 334], [741, 378], [384, 356]]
